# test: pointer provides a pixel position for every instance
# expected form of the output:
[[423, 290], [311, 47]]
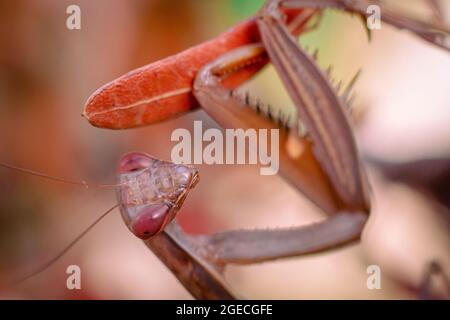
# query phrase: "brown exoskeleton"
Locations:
[[322, 161]]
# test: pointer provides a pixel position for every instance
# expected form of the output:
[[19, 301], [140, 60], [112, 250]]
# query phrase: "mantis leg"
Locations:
[[198, 261], [320, 109], [253, 246], [435, 32], [231, 111], [182, 255]]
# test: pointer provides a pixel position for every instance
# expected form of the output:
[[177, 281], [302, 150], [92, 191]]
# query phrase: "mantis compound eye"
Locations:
[[150, 220], [150, 192], [133, 161]]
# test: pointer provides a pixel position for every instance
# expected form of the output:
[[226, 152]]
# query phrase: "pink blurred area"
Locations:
[[46, 74]]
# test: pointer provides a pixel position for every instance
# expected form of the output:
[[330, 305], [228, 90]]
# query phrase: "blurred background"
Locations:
[[47, 72]]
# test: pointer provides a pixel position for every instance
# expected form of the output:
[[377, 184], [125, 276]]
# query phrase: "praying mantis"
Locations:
[[322, 163]]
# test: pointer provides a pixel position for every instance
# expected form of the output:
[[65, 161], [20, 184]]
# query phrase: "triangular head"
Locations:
[[151, 191]]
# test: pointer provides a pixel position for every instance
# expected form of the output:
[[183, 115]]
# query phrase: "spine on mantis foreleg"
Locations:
[[299, 162], [232, 110], [320, 109], [298, 165]]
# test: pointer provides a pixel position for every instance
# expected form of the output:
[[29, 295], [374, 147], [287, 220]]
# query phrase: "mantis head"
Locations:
[[151, 191]]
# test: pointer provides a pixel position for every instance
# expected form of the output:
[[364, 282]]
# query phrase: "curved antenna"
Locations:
[[57, 179], [67, 248]]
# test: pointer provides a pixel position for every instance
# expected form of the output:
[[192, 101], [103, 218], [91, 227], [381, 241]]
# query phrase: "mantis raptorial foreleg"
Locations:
[[332, 144], [322, 112]]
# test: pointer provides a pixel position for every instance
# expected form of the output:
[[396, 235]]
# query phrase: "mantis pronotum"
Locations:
[[327, 169]]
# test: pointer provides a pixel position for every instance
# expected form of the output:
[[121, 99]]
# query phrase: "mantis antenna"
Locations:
[[82, 234], [57, 179], [67, 248]]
